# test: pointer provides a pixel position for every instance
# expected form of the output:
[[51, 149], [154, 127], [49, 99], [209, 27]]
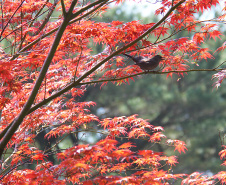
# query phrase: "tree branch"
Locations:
[[47, 18], [63, 7], [87, 7], [150, 72]]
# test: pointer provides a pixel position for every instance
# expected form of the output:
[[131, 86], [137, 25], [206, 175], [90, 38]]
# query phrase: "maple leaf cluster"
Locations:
[[105, 157], [46, 66]]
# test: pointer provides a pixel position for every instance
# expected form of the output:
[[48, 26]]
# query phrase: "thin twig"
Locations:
[[11, 18], [220, 65], [63, 7]]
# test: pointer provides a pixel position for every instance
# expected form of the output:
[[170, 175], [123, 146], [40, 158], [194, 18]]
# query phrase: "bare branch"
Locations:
[[63, 7]]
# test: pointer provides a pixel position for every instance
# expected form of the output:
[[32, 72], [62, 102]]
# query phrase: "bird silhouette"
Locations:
[[144, 63]]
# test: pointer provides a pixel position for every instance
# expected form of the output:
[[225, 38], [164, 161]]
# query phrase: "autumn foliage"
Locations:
[[47, 63]]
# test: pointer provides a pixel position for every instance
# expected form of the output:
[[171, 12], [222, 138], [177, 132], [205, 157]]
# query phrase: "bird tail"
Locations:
[[127, 55]]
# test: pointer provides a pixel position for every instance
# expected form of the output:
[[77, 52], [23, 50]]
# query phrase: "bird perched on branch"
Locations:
[[146, 63]]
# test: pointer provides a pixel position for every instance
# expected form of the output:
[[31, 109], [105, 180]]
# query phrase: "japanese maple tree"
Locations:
[[47, 63]]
